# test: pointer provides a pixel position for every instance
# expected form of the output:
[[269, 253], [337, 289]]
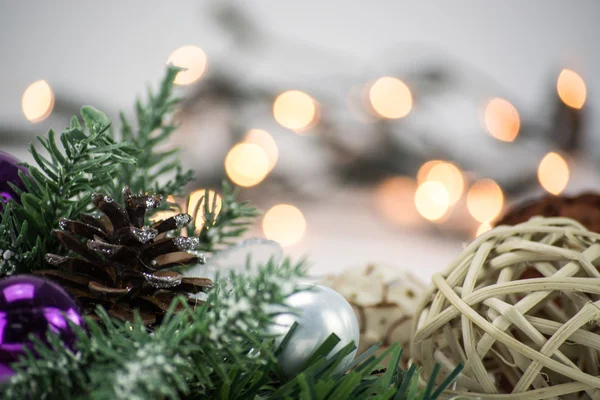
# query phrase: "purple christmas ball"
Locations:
[[9, 172], [29, 304]]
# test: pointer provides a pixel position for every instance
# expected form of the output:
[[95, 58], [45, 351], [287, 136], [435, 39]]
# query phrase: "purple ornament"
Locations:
[[29, 304], [9, 172]]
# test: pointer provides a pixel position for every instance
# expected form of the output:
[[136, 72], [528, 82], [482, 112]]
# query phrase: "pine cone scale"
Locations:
[[117, 215], [71, 242], [172, 259]]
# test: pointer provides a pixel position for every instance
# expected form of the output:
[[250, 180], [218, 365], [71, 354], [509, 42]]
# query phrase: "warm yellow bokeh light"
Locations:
[[198, 196], [193, 59], [390, 97], [432, 200], [246, 164], [37, 101], [295, 110], [284, 224], [160, 215], [450, 176], [266, 142], [395, 200], [571, 88], [485, 200], [483, 228], [502, 120], [553, 173], [424, 170]]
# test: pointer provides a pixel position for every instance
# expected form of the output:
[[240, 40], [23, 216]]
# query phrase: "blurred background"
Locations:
[[381, 131]]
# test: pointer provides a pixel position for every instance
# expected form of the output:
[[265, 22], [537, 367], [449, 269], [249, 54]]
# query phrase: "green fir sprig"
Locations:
[[59, 185], [156, 169], [220, 350]]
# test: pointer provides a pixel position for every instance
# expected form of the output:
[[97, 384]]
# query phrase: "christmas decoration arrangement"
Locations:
[[99, 301], [519, 308]]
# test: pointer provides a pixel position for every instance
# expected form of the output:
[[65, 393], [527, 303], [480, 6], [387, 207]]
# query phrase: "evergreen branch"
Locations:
[[220, 228], [219, 350], [153, 132], [59, 186]]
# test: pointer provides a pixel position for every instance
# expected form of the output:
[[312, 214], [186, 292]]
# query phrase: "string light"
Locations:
[[38, 101], [284, 224], [483, 228], [432, 200], [571, 88], [395, 200], [295, 110], [450, 176], [266, 142], [193, 59], [424, 170], [197, 200], [390, 97], [246, 164], [502, 120], [485, 200], [553, 173]]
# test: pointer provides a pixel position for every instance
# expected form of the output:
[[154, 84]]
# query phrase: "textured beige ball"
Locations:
[[520, 308], [384, 299]]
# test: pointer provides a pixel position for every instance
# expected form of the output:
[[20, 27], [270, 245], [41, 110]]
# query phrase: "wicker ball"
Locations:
[[526, 338], [385, 300]]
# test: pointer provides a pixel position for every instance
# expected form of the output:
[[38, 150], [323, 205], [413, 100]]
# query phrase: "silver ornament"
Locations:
[[321, 312]]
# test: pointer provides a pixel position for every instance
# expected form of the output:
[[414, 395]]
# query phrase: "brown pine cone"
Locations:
[[118, 262], [584, 208]]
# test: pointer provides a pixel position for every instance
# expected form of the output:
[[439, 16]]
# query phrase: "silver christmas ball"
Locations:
[[321, 312]]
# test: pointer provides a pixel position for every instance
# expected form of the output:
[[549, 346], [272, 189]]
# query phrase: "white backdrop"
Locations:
[[103, 53]]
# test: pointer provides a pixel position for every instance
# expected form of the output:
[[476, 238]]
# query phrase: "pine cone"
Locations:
[[584, 208], [123, 264]]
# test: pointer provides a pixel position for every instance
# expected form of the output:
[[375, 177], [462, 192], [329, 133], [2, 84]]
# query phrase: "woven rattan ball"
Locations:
[[517, 337]]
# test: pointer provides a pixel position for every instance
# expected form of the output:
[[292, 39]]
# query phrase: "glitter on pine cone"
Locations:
[[122, 264]]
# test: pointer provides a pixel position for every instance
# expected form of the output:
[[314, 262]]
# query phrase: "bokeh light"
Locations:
[[424, 170], [197, 200], [502, 120], [193, 59], [246, 164], [390, 97], [266, 142], [295, 110], [284, 224], [553, 173], [571, 88], [160, 215], [394, 199], [38, 101], [432, 200], [451, 177], [485, 200], [483, 228]]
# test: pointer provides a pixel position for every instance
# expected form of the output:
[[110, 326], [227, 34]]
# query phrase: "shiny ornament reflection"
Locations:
[[30, 305], [321, 312]]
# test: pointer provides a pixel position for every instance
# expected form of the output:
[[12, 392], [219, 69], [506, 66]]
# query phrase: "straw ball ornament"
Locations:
[[518, 337], [384, 298]]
